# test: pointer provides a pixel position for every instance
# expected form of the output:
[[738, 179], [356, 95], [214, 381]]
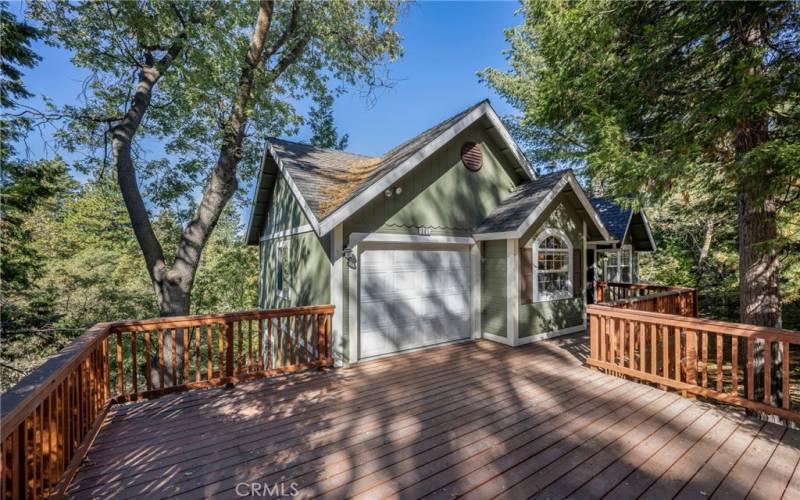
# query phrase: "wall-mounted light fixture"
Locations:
[[350, 257], [388, 193]]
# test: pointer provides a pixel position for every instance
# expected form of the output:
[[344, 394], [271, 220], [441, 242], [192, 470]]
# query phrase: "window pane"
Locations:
[[279, 269]]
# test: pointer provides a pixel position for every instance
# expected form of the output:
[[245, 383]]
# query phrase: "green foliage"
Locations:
[[344, 43], [16, 54], [674, 101], [323, 130]]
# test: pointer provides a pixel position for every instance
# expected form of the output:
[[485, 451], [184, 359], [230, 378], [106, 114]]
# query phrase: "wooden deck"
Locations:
[[478, 420]]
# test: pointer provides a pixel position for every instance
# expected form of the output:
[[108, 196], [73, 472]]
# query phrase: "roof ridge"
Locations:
[[332, 150]]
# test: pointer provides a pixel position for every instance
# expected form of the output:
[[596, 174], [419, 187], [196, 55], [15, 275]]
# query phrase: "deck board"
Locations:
[[476, 419]]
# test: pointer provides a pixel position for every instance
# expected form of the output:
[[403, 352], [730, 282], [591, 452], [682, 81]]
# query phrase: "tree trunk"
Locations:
[[759, 266]]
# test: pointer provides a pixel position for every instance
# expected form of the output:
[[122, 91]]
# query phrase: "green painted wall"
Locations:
[[284, 211], [309, 272], [441, 193], [543, 317], [493, 281]]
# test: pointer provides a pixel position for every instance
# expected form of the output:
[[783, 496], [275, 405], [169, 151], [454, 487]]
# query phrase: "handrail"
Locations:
[[708, 358], [50, 418]]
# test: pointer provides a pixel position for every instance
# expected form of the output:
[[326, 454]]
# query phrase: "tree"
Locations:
[[654, 96], [323, 130], [209, 81]]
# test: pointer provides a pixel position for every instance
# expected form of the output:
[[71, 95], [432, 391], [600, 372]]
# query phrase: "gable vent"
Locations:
[[472, 156]]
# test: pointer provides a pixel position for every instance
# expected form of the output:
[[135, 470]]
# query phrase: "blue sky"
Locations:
[[445, 44]]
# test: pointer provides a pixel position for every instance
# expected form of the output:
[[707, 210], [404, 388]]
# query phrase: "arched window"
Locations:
[[552, 265]]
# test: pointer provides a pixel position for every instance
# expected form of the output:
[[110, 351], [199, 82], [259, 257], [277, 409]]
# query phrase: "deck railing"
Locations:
[[50, 418], [712, 359], [643, 297]]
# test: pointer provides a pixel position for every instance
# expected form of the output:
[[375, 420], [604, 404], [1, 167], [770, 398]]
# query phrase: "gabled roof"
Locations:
[[622, 221], [331, 185], [514, 216]]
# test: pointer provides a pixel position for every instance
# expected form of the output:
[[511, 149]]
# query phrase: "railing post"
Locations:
[[229, 349], [594, 335]]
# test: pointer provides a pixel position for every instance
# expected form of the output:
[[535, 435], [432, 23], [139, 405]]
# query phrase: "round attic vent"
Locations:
[[472, 156]]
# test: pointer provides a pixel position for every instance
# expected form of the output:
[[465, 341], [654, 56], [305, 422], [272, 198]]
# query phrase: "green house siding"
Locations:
[[441, 194], [543, 317], [493, 281], [284, 210], [308, 276]]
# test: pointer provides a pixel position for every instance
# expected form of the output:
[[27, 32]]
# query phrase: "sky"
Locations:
[[445, 44]]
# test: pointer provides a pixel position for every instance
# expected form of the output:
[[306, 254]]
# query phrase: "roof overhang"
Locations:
[[568, 180], [271, 167]]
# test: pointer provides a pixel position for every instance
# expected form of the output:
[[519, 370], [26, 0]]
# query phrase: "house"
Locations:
[[436, 240]]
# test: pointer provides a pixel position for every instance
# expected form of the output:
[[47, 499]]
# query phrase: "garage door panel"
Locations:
[[411, 297]]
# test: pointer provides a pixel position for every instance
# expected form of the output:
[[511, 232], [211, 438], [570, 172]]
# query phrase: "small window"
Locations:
[[282, 269], [618, 266], [552, 266]]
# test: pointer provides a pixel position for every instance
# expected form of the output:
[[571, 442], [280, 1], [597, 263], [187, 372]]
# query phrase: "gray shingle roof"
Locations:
[[328, 178], [614, 216], [510, 214]]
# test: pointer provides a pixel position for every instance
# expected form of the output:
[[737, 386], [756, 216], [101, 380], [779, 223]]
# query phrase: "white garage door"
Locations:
[[412, 296]]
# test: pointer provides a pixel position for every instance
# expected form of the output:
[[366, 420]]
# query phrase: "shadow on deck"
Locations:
[[478, 419]]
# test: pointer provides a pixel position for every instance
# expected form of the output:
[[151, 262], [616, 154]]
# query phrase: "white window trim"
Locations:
[[283, 293], [546, 297]]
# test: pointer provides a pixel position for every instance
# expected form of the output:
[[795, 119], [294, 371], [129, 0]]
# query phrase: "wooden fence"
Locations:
[[643, 297], [51, 417], [712, 359]]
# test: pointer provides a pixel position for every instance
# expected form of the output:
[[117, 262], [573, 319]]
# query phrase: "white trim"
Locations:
[[647, 228], [255, 193], [337, 292], [497, 338], [288, 232], [475, 292], [546, 233], [568, 178], [533, 338], [512, 290], [353, 286], [551, 334], [295, 191], [356, 238], [343, 212]]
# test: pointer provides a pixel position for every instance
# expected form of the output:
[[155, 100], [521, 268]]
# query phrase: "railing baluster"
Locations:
[[704, 341], [239, 360], [734, 365], [160, 358], [229, 364], [197, 354], [270, 347], [751, 377], [720, 370], [174, 372], [250, 362], [220, 348], [186, 350], [642, 347], [134, 368], [786, 374], [653, 349], [631, 345], [691, 357], [210, 349], [120, 387], [148, 375], [767, 372], [678, 357], [260, 357]]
